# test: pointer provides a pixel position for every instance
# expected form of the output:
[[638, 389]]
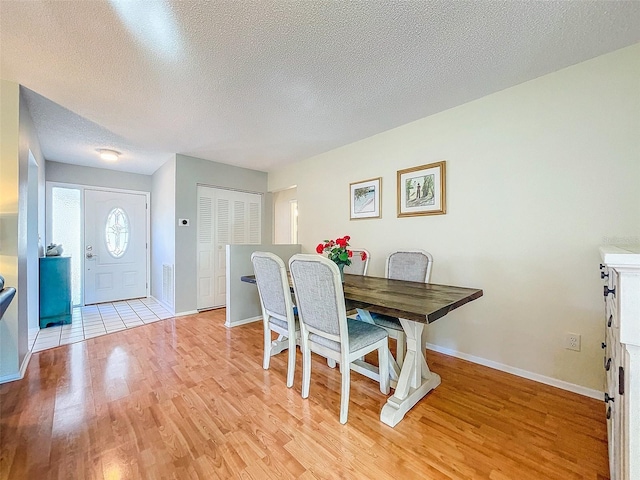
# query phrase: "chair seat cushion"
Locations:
[[6, 295], [282, 323], [361, 334], [385, 321]]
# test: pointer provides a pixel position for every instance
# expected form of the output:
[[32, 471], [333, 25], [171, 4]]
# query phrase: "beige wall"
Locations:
[[21, 206], [538, 176], [9, 148]]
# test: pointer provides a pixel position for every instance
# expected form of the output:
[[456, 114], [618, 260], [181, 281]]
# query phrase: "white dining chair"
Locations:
[[358, 265], [411, 266], [277, 309], [324, 326]]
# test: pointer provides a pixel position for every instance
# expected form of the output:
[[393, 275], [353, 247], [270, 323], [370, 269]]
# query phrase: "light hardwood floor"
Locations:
[[187, 398]]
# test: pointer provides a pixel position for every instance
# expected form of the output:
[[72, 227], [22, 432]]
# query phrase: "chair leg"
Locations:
[[400, 351], [344, 396], [267, 346], [291, 368], [306, 368], [383, 368]]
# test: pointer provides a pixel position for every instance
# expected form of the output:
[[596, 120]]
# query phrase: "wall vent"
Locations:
[[167, 284]]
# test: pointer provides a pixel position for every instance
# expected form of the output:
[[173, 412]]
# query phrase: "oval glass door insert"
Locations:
[[117, 232]]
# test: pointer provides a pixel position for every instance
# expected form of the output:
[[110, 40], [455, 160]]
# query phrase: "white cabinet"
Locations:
[[620, 271]]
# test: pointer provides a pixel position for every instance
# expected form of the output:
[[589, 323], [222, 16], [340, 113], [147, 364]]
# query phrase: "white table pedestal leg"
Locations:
[[415, 379], [279, 345]]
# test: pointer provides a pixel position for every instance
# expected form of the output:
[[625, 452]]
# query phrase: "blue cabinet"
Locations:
[[55, 291]]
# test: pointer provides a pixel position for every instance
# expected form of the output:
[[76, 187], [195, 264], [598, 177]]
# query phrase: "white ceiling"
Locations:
[[260, 84]]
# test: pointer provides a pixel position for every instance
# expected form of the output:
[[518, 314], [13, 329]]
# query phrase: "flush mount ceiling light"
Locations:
[[109, 155]]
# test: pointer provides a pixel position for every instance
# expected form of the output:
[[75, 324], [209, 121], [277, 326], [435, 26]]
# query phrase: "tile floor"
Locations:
[[94, 320]]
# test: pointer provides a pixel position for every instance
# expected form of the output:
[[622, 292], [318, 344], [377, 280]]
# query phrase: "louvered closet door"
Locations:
[[222, 232], [224, 217], [205, 247]]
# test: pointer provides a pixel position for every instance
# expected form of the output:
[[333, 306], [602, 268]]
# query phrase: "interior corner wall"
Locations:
[[538, 176], [19, 222], [9, 186], [30, 221], [190, 172], [163, 227]]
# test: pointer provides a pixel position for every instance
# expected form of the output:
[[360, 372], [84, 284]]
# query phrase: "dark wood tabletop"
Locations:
[[420, 302]]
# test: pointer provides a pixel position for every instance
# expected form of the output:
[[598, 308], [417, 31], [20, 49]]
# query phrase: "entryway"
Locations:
[[106, 234], [95, 320]]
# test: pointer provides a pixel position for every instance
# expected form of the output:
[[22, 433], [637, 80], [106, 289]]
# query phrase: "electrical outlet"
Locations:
[[572, 341]]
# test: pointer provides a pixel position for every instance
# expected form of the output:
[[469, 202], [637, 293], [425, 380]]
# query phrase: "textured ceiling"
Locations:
[[261, 83]]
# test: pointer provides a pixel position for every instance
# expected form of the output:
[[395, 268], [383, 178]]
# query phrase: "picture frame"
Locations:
[[413, 199], [365, 199]]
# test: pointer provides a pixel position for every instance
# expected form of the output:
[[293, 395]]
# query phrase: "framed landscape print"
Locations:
[[421, 190], [365, 198]]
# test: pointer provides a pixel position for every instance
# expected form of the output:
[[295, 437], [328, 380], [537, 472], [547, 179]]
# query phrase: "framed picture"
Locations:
[[421, 190], [365, 198]]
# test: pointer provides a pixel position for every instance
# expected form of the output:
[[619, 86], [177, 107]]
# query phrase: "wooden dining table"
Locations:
[[416, 305]]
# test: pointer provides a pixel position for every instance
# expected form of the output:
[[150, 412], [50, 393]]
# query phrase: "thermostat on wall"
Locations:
[[183, 222]]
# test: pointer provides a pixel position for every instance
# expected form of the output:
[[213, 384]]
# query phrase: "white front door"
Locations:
[[115, 246]]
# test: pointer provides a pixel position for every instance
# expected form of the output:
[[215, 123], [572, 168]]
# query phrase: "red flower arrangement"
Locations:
[[337, 250]]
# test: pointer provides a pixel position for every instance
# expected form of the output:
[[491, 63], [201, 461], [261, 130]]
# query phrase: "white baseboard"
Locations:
[[554, 382], [20, 375], [244, 321], [188, 312], [25, 364]]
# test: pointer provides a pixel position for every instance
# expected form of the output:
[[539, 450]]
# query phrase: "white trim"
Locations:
[[34, 331], [293, 222], [244, 321], [25, 364], [188, 312], [12, 377], [208, 185], [554, 382], [81, 186]]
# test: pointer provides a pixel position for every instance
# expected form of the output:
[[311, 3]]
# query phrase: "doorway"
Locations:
[[115, 225], [285, 216]]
